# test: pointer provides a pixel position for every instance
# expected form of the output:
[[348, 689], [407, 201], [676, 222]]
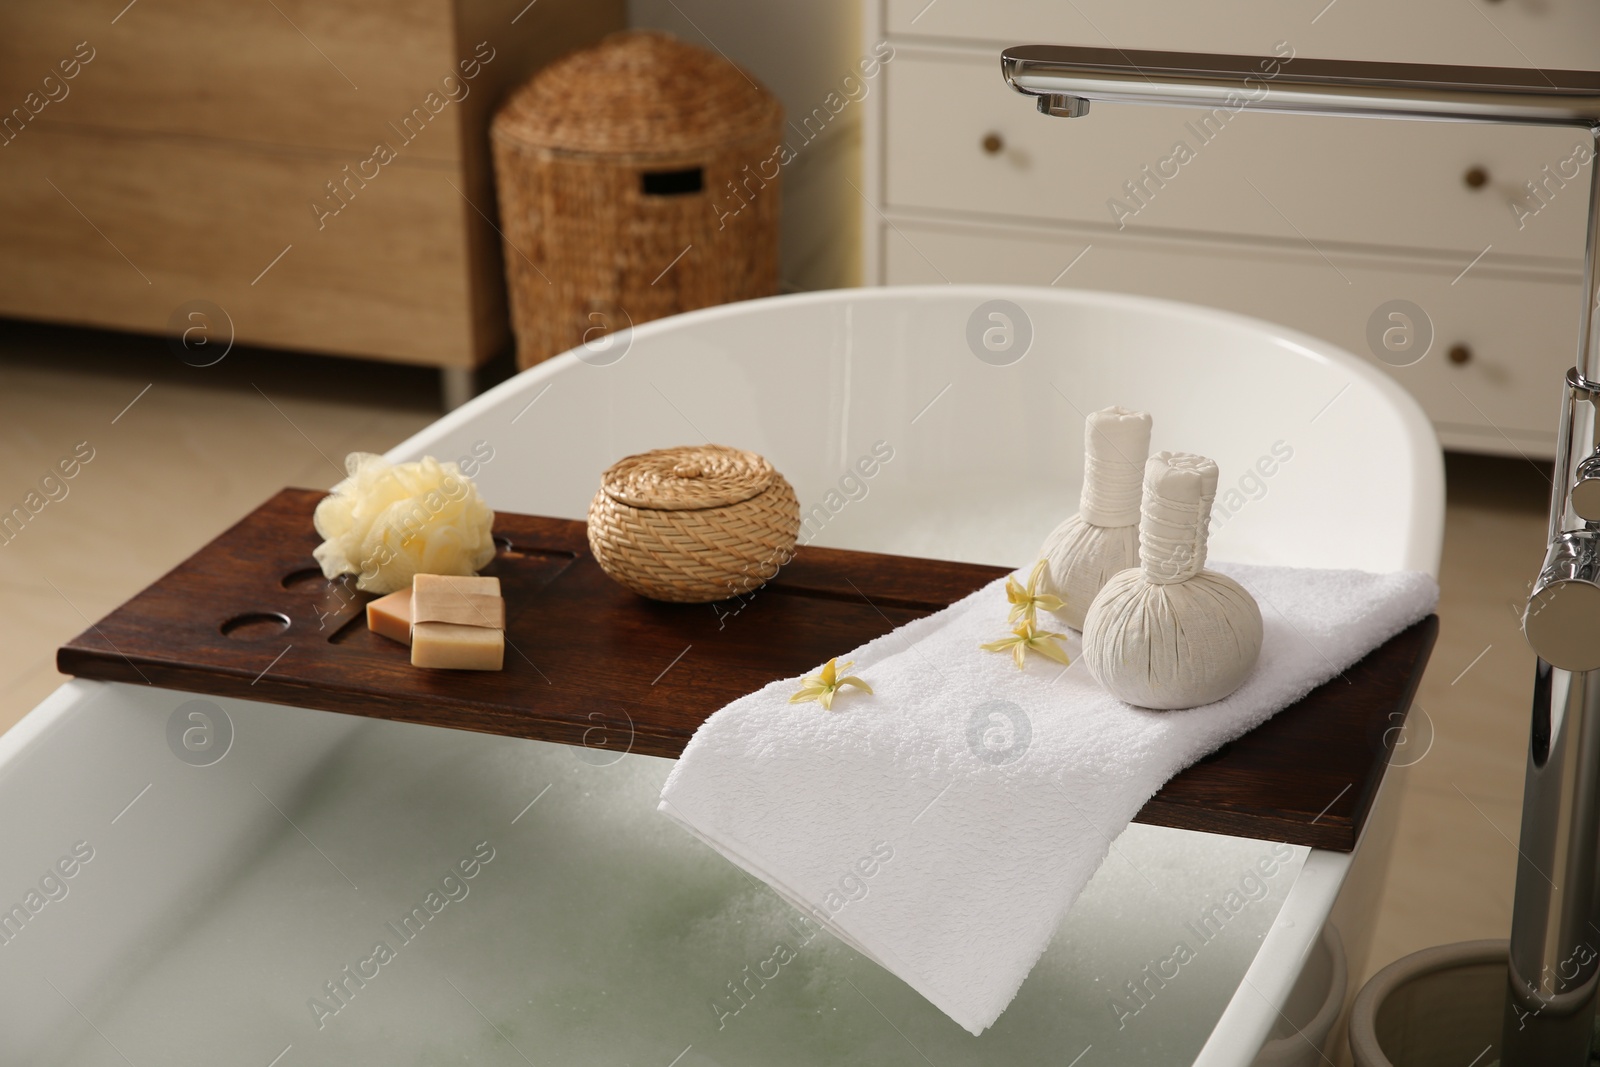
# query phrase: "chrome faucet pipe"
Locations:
[[1554, 973], [1304, 86]]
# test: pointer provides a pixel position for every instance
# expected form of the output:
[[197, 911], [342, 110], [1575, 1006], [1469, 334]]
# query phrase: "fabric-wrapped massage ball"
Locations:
[[1084, 552], [1169, 634]]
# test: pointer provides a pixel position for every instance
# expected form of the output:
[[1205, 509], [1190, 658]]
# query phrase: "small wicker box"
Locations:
[[637, 179], [693, 524]]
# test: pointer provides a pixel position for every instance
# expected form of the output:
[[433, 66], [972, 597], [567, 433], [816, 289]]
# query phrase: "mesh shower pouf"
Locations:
[[693, 524]]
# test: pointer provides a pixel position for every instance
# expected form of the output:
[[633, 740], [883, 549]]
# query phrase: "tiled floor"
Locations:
[[179, 452]]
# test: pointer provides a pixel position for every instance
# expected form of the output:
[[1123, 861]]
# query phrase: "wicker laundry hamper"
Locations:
[[693, 524], [637, 178]]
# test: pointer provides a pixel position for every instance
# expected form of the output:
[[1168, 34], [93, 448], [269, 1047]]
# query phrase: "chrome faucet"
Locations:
[[1555, 931]]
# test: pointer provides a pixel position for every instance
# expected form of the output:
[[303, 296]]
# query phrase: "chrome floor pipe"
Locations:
[[1550, 1003], [1555, 935]]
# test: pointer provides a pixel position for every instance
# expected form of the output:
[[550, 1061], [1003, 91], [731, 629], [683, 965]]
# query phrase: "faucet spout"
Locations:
[[1063, 106]]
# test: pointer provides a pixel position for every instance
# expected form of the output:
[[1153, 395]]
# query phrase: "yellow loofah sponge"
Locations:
[[388, 522]]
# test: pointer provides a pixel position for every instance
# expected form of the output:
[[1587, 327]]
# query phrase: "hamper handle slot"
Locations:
[[672, 182]]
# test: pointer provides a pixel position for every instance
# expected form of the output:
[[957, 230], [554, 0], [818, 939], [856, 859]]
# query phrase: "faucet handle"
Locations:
[[1562, 619], [1585, 496]]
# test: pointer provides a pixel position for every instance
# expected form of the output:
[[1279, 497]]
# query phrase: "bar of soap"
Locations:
[[463, 601], [390, 616], [453, 647], [457, 623]]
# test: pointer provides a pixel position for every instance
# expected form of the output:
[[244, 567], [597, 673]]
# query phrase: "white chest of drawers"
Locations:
[[1317, 223]]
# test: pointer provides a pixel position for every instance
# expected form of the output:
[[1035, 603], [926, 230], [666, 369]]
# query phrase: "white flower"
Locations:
[[386, 523]]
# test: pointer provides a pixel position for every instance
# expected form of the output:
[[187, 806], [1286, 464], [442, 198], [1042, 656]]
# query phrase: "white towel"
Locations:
[[941, 833]]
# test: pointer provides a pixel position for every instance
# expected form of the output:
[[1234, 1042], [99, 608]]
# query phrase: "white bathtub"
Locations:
[[220, 900]]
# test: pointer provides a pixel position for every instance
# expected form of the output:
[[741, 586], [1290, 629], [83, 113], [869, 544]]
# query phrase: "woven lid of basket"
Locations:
[[637, 92], [687, 478]]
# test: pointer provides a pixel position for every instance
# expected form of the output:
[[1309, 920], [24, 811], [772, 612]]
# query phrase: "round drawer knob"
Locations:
[[1476, 177], [1460, 355], [993, 143]]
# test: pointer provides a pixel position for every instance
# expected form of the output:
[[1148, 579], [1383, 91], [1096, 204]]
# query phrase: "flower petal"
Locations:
[[1051, 650]]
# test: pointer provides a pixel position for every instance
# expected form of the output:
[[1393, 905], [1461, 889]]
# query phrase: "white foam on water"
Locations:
[[599, 931]]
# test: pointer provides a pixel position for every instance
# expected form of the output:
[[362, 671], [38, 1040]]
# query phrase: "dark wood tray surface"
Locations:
[[589, 663]]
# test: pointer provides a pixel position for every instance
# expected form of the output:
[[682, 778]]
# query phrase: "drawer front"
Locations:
[[957, 139], [1557, 34], [386, 276], [320, 73], [1520, 334]]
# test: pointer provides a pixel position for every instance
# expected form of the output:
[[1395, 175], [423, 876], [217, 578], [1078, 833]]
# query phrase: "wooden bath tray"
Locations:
[[589, 663]]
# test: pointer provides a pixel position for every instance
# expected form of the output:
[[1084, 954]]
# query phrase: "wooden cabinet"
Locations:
[[318, 170], [1312, 222]]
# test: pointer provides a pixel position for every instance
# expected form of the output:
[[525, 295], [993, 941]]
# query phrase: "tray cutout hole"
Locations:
[[506, 549], [778, 587], [307, 580], [355, 628], [256, 626]]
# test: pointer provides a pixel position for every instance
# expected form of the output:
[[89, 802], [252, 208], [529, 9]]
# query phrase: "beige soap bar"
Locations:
[[457, 623], [390, 616], [463, 601], [450, 646]]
